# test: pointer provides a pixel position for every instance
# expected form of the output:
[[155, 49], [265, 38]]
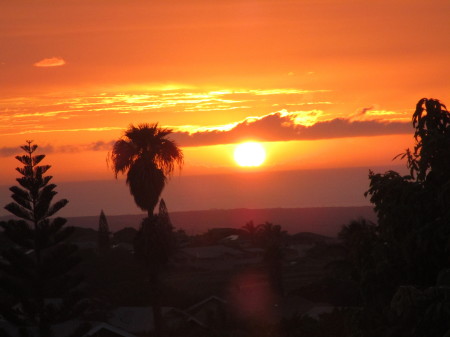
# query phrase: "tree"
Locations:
[[251, 231], [37, 269], [153, 246], [271, 238], [364, 263], [104, 242], [406, 253], [155, 242], [148, 158], [250, 228], [414, 211]]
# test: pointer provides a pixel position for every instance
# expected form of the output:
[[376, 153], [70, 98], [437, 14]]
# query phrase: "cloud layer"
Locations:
[[283, 127], [279, 126]]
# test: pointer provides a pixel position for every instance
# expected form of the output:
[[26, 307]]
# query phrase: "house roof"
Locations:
[[211, 252], [198, 305], [63, 329], [133, 319], [108, 327], [138, 319], [319, 309]]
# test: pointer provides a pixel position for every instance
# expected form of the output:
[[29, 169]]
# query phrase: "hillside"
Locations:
[[320, 220]]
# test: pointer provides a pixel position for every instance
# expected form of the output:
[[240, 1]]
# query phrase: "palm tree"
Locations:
[[271, 237], [148, 158], [250, 228], [251, 231]]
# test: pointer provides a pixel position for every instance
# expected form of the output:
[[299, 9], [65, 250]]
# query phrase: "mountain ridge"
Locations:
[[321, 220]]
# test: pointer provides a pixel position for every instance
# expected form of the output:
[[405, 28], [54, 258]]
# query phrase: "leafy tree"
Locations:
[[104, 242], [414, 211], [37, 269], [148, 157], [399, 262], [362, 256]]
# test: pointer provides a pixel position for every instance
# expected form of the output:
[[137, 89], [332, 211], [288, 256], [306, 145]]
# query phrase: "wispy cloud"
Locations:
[[37, 130], [50, 62], [360, 113], [320, 118], [59, 111], [47, 149]]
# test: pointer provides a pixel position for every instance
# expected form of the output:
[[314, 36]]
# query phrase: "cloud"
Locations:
[[8, 151], [282, 126], [362, 111], [50, 62], [16, 150], [279, 126], [47, 149]]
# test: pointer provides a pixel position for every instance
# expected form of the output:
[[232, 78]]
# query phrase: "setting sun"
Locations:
[[249, 154]]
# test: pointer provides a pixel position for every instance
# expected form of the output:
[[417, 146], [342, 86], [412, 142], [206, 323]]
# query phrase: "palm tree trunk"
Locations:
[[156, 304], [155, 294]]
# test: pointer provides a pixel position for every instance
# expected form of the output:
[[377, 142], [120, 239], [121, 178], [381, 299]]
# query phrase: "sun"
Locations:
[[249, 154]]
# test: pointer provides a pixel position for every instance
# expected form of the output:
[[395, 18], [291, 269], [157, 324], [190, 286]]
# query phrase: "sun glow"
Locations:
[[249, 154]]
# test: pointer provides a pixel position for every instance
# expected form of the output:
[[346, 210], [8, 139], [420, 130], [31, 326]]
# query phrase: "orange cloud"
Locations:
[[285, 126], [51, 62]]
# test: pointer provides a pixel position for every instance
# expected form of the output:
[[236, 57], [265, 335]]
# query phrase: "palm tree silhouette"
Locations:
[[148, 158], [271, 237], [251, 230]]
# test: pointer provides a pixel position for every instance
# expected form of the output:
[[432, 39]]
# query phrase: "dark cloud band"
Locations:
[[281, 127], [272, 127]]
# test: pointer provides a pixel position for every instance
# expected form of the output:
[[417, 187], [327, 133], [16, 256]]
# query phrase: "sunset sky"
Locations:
[[323, 84]]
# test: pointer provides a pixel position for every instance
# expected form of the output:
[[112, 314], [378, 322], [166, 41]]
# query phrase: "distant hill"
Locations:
[[319, 220]]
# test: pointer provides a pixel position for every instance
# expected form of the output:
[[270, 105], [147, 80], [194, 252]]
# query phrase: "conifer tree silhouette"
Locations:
[[103, 240], [37, 269]]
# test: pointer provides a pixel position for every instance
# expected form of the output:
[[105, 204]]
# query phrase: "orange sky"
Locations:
[[324, 83]]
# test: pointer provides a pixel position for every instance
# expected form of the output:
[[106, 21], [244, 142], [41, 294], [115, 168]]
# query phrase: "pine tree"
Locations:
[[37, 270], [104, 242]]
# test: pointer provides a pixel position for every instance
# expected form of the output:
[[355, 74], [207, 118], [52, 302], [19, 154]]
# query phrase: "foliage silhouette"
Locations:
[[104, 240], [37, 269], [400, 264], [271, 238], [250, 229], [149, 157], [414, 211], [155, 243]]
